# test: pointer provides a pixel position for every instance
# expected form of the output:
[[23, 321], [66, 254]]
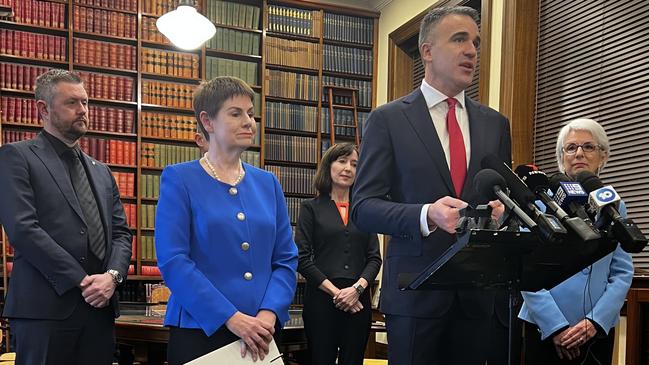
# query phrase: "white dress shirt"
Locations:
[[438, 108]]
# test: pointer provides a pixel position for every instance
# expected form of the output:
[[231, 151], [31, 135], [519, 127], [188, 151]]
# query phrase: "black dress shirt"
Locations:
[[93, 265], [328, 249]]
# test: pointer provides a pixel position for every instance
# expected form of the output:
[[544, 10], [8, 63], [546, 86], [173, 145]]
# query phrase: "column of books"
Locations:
[[167, 122], [348, 61], [235, 51]]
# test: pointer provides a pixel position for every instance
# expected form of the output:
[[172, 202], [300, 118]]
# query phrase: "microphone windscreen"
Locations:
[[485, 180], [589, 181], [517, 189], [534, 178], [556, 179]]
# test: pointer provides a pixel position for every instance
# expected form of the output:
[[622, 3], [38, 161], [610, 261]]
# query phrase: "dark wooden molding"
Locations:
[[518, 74]]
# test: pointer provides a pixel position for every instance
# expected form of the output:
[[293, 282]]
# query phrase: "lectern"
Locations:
[[489, 259]]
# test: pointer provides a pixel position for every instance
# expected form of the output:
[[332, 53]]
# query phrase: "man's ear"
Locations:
[[43, 109]]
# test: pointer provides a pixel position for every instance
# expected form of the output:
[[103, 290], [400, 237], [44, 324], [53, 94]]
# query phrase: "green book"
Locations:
[[227, 40], [238, 42], [241, 15], [255, 17], [156, 186]]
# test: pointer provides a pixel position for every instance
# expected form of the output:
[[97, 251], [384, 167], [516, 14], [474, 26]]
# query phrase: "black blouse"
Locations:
[[328, 249]]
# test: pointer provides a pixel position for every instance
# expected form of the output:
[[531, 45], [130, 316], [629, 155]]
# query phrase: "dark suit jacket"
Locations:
[[328, 249], [43, 219], [401, 167]]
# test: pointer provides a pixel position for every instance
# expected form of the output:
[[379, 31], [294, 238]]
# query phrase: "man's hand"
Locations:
[[254, 332], [97, 289], [445, 213], [497, 209]]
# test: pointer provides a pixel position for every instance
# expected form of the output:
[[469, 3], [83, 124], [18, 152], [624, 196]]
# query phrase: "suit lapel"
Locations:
[[476, 129], [45, 152], [418, 116]]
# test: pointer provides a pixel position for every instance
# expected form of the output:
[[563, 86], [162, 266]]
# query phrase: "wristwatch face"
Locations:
[[117, 277]]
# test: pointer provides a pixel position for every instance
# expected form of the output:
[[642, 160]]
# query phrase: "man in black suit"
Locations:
[[72, 245], [416, 168]]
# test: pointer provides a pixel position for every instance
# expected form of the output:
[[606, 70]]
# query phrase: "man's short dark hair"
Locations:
[[210, 96], [46, 82], [322, 179], [436, 15]]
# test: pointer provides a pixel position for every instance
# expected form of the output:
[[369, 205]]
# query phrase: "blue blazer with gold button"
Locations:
[[222, 249]]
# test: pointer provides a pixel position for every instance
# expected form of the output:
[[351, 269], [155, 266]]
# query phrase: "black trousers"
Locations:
[[187, 344], [599, 350], [332, 333], [86, 337], [453, 338]]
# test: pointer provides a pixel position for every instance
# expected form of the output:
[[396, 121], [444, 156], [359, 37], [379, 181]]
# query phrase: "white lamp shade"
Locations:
[[185, 27]]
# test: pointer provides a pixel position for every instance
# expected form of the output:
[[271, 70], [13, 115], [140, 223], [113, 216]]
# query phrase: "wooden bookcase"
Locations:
[[282, 148]]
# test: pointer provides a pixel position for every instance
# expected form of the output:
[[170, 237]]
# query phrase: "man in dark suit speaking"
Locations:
[[416, 168], [72, 245]]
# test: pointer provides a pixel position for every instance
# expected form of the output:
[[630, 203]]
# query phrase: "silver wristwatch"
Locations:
[[359, 288], [117, 277]]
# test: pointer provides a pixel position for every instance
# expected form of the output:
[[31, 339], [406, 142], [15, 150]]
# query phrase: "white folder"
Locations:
[[231, 355]]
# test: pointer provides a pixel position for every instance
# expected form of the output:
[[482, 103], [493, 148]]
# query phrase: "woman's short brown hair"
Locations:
[[210, 96], [322, 178]]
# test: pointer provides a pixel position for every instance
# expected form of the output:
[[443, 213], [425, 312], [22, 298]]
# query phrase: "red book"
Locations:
[[118, 92], [112, 151], [4, 104], [131, 268], [130, 184], [10, 107], [90, 19], [110, 120], [131, 153], [83, 14], [129, 119], [119, 121], [102, 150], [148, 270]]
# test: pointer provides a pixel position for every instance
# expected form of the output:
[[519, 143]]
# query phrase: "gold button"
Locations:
[[241, 216], [233, 191], [245, 246], [247, 276]]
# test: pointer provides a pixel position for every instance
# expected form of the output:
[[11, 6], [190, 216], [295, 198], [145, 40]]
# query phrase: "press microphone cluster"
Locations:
[[539, 183], [548, 226]]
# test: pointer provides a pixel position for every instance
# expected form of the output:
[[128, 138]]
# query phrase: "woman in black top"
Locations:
[[338, 261]]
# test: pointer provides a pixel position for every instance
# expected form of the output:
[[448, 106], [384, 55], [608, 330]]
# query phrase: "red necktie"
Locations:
[[456, 147]]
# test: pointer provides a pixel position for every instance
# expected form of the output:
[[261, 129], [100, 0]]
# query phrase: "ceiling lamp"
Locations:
[[185, 27]]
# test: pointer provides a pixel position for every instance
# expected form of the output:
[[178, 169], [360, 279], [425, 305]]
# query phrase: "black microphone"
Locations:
[[490, 184], [570, 196], [550, 228], [538, 182], [602, 200]]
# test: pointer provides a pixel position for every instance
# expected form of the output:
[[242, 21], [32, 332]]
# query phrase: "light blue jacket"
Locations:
[[221, 251], [575, 299]]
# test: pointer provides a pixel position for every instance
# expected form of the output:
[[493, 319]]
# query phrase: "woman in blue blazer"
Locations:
[[223, 237], [573, 322], [339, 263]]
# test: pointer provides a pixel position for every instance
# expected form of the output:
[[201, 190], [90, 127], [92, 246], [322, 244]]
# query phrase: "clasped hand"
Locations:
[[347, 300], [255, 332], [97, 289], [569, 341]]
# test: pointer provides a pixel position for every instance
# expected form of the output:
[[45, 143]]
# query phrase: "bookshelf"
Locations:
[[141, 87]]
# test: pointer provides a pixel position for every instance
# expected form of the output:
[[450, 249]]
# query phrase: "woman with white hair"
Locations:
[[573, 322]]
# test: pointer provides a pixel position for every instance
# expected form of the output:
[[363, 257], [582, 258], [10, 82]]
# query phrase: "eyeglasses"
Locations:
[[588, 147]]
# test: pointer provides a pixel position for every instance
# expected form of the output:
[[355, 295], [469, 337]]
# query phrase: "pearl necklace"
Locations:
[[242, 172]]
